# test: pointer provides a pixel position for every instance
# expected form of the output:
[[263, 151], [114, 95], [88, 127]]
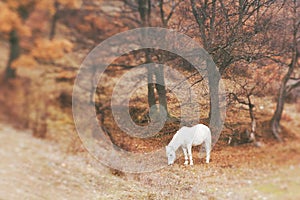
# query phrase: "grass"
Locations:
[[284, 185]]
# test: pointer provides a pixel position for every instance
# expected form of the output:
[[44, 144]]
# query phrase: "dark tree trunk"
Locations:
[[14, 54], [253, 120], [150, 79], [275, 121], [213, 74], [213, 82], [151, 87], [160, 87], [155, 76], [54, 22], [251, 113], [144, 7]]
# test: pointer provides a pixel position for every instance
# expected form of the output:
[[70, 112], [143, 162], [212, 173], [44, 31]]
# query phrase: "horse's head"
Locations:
[[170, 155]]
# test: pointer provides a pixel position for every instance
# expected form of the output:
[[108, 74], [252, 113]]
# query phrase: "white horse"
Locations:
[[186, 137]]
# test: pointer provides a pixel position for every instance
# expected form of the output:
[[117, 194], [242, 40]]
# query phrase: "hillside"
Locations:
[[92, 91]]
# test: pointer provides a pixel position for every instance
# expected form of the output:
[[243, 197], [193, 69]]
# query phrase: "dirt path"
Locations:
[[31, 168]]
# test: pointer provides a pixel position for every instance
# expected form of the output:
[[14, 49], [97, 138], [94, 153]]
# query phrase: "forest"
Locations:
[[93, 90]]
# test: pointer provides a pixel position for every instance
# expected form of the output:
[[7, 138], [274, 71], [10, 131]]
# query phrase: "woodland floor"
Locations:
[[32, 168]]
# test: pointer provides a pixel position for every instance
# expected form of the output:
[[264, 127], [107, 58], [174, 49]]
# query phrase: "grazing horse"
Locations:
[[186, 137]]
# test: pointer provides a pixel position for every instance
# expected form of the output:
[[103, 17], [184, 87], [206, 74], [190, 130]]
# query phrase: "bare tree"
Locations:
[[252, 83], [156, 86], [229, 32], [294, 49]]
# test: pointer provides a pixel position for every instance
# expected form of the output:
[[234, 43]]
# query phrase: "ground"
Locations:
[[32, 168]]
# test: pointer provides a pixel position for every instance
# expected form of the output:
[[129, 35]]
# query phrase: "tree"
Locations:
[[144, 8], [229, 33], [12, 17], [153, 74], [294, 63], [29, 48], [250, 80], [147, 11], [56, 7]]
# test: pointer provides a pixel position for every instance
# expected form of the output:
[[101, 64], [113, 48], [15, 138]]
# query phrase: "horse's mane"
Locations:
[[174, 137]]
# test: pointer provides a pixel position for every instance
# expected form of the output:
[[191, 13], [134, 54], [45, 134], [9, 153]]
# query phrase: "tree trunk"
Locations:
[[151, 86], [213, 74], [144, 7], [160, 87], [275, 121], [213, 83], [54, 21], [253, 120], [14, 54]]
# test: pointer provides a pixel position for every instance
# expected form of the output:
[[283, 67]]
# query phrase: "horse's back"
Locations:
[[194, 135], [202, 133], [203, 128]]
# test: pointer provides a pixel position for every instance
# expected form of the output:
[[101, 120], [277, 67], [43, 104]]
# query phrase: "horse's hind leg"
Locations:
[[207, 149], [186, 161], [189, 148]]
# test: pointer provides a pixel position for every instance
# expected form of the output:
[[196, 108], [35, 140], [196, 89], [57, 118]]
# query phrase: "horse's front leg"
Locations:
[[189, 148], [186, 161]]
